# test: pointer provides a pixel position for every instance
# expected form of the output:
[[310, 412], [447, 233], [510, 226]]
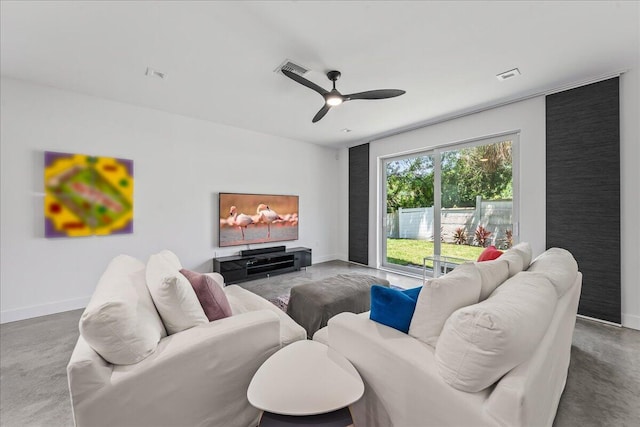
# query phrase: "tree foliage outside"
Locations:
[[484, 170], [410, 183]]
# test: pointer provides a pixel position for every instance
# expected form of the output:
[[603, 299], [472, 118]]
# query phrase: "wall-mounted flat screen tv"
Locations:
[[257, 218]]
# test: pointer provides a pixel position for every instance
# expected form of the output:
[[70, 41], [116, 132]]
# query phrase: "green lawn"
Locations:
[[411, 252]]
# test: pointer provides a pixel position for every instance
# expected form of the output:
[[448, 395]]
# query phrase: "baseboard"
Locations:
[[43, 309], [631, 321], [595, 319], [342, 257], [324, 258]]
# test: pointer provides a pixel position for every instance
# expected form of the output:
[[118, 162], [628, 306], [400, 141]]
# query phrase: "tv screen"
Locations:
[[257, 218]]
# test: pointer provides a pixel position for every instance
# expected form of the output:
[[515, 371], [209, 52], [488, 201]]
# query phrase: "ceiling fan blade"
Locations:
[[320, 114], [293, 76], [375, 94]]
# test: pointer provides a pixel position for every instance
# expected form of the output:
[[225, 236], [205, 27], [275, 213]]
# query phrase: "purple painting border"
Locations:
[[51, 156], [128, 164], [50, 229], [127, 229]]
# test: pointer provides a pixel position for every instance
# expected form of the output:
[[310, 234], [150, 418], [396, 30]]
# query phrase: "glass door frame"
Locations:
[[436, 153], [382, 243]]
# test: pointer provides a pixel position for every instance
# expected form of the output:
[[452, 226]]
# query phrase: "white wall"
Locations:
[[528, 117], [630, 195], [343, 205], [180, 164]]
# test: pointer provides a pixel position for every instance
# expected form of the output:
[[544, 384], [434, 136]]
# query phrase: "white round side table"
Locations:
[[305, 379]]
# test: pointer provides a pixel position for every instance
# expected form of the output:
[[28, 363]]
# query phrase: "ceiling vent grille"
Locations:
[[293, 67], [508, 74]]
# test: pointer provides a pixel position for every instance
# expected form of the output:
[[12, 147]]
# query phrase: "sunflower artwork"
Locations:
[[87, 195]]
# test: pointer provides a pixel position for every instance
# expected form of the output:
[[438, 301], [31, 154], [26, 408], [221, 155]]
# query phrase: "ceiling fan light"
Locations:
[[334, 100]]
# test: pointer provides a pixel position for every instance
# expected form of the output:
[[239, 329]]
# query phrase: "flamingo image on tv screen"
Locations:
[[257, 218]]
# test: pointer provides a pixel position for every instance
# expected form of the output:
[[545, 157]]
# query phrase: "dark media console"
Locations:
[[257, 263]]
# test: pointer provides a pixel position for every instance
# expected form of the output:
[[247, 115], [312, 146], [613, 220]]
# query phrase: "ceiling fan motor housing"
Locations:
[[333, 75]]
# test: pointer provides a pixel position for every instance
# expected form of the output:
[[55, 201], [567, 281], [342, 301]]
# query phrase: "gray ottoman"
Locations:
[[311, 305]]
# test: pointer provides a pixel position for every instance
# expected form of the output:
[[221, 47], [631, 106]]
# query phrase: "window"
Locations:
[[454, 200]]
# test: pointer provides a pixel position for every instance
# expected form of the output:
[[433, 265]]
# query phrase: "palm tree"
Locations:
[[491, 157]]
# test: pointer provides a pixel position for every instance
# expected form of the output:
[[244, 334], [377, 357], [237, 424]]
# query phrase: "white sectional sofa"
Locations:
[[196, 377], [502, 361]]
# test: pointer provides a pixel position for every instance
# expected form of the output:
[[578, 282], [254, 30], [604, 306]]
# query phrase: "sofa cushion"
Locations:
[[489, 253], [442, 296], [514, 260], [120, 322], [518, 257], [559, 266], [524, 250], [210, 295], [393, 307], [492, 274], [172, 293], [217, 278], [482, 342]]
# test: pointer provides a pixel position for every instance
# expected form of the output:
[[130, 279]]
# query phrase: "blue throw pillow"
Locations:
[[393, 307]]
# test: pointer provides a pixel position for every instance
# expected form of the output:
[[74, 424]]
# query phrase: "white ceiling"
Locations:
[[219, 57]]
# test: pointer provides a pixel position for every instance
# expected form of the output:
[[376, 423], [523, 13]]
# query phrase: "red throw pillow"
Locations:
[[211, 296], [489, 254]]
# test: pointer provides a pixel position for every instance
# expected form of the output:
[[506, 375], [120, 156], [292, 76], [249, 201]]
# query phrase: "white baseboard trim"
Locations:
[[593, 319], [342, 257], [631, 321], [43, 309], [324, 258]]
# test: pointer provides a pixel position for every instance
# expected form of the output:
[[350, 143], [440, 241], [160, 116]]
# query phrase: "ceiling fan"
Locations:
[[333, 98]]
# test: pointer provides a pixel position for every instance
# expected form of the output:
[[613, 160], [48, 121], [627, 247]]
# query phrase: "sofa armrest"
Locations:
[[529, 394], [243, 301], [198, 374], [400, 377], [87, 372]]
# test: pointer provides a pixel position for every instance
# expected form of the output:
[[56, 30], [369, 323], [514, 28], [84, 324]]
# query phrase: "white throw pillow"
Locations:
[[172, 294], [559, 266], [442, 296], [120, 322], [482, 342], [492, 274], [171, 259]]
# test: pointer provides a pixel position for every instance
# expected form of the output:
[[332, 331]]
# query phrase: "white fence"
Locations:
[[417, 223]]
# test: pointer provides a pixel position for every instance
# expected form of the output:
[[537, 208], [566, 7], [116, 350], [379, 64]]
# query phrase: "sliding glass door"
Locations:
[[409, 219], [451, 201]]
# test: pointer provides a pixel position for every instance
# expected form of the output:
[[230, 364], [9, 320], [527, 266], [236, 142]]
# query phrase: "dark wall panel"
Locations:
[[583, 190], [359, 204]]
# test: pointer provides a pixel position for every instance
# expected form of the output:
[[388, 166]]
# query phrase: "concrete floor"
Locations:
[[603, 386]]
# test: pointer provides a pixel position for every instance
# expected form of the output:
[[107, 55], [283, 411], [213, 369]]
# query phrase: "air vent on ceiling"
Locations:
[[290, 66], [155, 73], [508, 74]]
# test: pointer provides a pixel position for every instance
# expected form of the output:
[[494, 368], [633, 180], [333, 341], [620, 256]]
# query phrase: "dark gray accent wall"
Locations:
[[359, 204], [583, 190]]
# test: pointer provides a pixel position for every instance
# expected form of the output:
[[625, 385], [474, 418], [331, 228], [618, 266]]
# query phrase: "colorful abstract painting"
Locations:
[[87, 195]]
